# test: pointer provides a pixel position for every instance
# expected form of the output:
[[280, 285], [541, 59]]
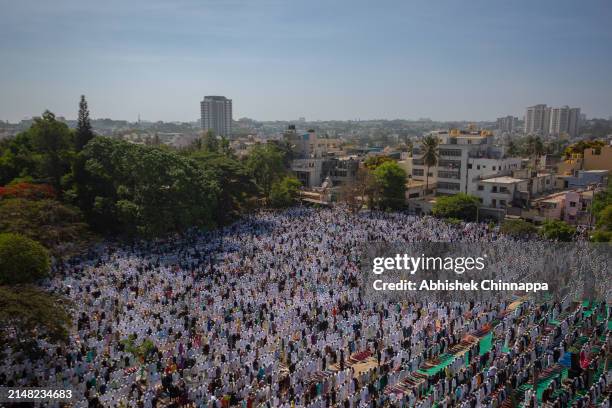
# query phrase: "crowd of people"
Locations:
[[271, 311]]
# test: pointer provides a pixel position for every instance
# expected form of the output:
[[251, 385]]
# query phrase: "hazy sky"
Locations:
[[328, 59]]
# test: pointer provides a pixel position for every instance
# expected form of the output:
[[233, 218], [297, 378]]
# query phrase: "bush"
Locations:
[[22, 260], [518, 228], [558, 231], [284, 192], [461, 205], [601, 236]]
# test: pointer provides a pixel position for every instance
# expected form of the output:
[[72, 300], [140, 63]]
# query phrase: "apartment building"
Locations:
[[216, 115], [548, 121], [319, 159], [464, 156]]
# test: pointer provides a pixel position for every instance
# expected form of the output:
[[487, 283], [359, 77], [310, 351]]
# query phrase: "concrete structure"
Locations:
[[584, 178], [547, 121], [516, 191], [564, 120], [318, 159], [577, 207], [571, 206], [465, 156], [507, 124], [499, 192], [216, 115], [537, 120], [591, 159]]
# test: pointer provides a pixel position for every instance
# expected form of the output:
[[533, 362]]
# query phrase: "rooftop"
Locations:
[[502, 180]]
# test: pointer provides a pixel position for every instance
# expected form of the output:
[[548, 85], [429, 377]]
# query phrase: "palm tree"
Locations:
[[430, 155]]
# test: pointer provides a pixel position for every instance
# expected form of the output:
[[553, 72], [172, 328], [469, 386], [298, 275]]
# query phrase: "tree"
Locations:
[[57, 226], [53, 141], [513, 149], [266, 164], [392, 180], [372, 162], [430, 155], [461, 205], [210, 142], [582, 145], [534, 146], [84, 132], [558, 231], [132, 189], [284, 192], [27, 313], [518, 228], [235, 183], [27, 190], [22, 260], [354, 193]]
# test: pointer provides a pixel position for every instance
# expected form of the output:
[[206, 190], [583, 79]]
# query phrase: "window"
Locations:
[[494, 189], [448, 186], [493, 168], [503, 189], [494, 203], [572, 204], [417, 172], [413, 195], [480, 188], [502, 203], [478, 167], [450, 152], [469, 165], [448, 174]]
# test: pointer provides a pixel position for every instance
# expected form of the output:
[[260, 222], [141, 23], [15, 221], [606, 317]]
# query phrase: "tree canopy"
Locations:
[[22, 260], [518, 228], [461, 205], [392, 181], [132, 189], [266, 163], [57, 226], [558, 231], [284, 192]]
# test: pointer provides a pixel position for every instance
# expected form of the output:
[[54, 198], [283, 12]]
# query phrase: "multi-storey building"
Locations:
[[318, 159], [216, 115], [537, 119], [507, 124], [545, 121], [464, 156]]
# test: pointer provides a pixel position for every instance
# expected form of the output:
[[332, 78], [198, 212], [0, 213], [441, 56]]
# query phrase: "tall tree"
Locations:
[[429, 144], [83, 131], [392, 180], [266, 164], [52, 140]]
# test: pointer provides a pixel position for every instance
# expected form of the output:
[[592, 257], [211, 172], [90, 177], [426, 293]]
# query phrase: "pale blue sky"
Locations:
[[333, 59]]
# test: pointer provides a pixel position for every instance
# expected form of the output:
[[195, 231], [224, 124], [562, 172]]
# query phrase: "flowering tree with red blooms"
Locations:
[[29, 191]]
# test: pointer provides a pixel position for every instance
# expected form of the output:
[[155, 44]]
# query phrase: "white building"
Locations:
[[501, 192], [548, 121], [507, 124], [537, 119], [463, 158], [216, 115]]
